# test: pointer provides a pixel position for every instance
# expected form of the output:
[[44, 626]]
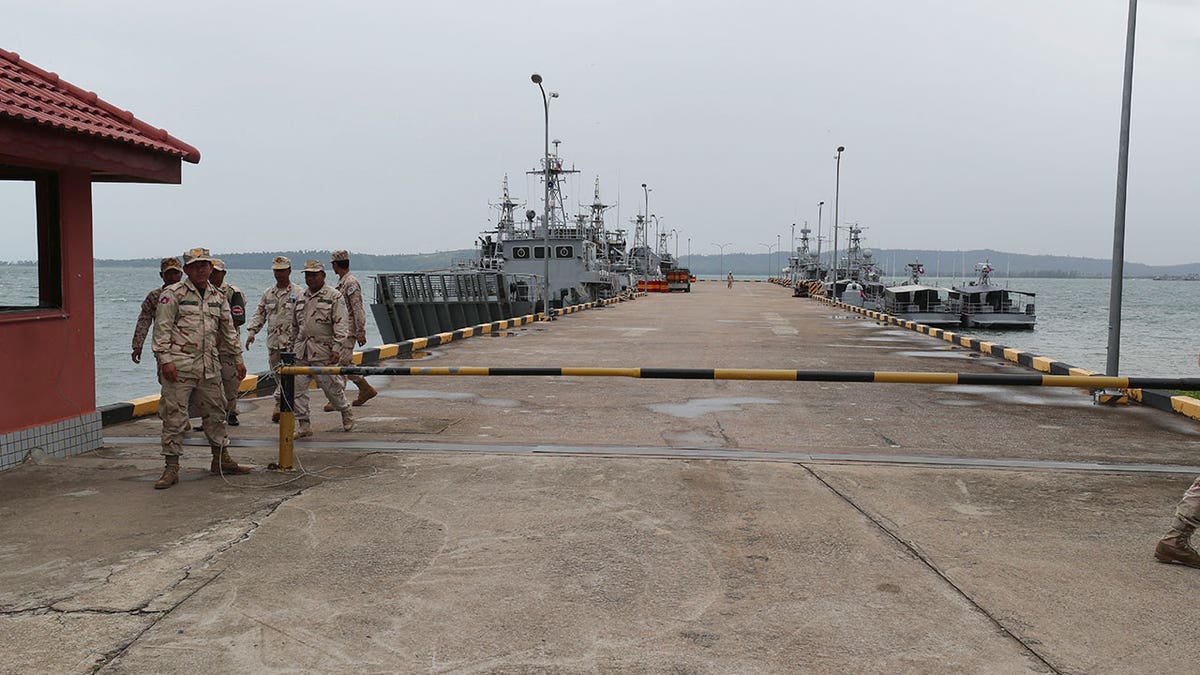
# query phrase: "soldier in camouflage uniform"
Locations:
[[1176, 546], [171, 272], [350, 289], [322, 331], [192, 328], [276, 309], [237, 308]]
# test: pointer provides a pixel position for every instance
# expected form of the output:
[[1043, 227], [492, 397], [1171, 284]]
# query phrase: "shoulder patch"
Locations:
[[164, 299]]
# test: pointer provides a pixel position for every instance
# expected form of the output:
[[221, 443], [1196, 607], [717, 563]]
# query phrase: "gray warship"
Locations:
[[586, 262], [983, 304], [804, 266], [913, 300]]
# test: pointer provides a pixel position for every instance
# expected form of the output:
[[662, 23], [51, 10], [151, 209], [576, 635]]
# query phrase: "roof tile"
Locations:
[[30, 93]]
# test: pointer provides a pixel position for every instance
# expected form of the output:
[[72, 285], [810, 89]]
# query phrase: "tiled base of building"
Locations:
[[61, 439]]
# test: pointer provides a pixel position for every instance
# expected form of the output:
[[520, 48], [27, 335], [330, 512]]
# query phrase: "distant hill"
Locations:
[[958, 264]]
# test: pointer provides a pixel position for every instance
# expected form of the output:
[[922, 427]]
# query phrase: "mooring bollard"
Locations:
[[287, 414]]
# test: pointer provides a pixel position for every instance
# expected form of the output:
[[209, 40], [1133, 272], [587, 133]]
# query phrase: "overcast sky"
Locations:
[[388, 126]]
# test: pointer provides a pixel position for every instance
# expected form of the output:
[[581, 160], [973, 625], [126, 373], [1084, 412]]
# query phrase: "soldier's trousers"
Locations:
[[347, 360], [229, 382], [274, 360], [1189, 507], [173, 410], [332, 385]]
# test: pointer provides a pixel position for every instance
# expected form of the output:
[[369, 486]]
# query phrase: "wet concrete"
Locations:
[[632, 525]]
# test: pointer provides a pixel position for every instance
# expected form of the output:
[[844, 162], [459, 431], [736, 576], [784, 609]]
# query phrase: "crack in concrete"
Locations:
[[256, 521], [928, 563]]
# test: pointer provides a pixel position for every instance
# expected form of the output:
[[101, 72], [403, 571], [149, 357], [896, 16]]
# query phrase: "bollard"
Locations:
[[287, 415]]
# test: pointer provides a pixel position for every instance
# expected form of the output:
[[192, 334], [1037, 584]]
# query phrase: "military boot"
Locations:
[[303, 429], [275, 415], [365, 392], [347, 420], [170, 474], [329, 407], [1176, 547], [222, 463]]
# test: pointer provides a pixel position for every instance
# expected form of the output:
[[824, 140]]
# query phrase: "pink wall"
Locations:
[[48, 358]]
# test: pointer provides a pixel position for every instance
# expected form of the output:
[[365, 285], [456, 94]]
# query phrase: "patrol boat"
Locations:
[[915, 301], [982, 304], [862, 283], [804, 267], [586, 262]]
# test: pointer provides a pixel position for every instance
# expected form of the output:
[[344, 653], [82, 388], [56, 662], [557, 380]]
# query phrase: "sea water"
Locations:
[[1157, 334]]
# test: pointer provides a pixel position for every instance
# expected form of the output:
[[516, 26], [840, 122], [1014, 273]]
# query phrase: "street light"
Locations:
[[1116, 281], [819, 205], [537, 79], [689, 253], [778, 250], [769, 247], [721, 272], [675, 236], [646, 232], [837, 187]]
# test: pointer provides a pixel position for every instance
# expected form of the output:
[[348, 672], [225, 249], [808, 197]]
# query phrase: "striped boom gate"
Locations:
[[287, 374]]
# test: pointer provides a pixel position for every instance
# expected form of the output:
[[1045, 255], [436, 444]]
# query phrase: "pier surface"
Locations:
[[571, 524]]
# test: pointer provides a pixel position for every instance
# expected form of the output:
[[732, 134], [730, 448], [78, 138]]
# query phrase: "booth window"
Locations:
[[30, 241]]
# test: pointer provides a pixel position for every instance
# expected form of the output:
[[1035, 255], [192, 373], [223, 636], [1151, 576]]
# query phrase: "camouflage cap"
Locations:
[[281, 263], [218, 265], [340, 256], [169, 264], [195, 255], [313, 266]]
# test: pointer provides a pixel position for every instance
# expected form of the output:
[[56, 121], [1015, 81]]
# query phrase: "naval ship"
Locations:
[[584, 262]]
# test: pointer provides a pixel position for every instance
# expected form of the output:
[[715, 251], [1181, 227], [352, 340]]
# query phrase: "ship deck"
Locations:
[[568, 524]]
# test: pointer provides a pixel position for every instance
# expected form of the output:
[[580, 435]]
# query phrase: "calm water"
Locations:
[[1156, 335]]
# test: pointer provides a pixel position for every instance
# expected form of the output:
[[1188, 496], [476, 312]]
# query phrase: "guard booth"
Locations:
[[56, 139]]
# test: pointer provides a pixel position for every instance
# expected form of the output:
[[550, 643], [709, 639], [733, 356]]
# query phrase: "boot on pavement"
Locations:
[[170, 474], [347, 420], [303, 429], [329, 407], [1176, 547], [275, 414], [365, 392], [222, 463]]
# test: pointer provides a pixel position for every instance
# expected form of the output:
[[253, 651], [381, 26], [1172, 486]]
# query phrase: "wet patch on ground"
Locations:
[[1066, 398], [403, 425], [698, 407], [693, 439], [938, 354]]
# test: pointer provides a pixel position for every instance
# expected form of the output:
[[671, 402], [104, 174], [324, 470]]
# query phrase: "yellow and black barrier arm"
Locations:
[[891, 377]]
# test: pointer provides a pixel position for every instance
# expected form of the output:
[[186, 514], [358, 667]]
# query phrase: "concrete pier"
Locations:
[[563, 525]]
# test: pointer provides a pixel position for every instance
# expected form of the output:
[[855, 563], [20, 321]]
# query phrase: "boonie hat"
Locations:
[[313, 266], [281, 263], [169, 264], [218, 265], [196, 255], [340, 256]]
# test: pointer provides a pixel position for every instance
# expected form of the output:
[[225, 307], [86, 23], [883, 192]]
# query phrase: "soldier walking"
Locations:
[[350, 289], [322, 331], [171, 272], [237, 309], [1176, 546], [192, 328], [277, 309]]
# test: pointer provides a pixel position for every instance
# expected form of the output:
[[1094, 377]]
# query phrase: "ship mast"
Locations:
[[556, 215]]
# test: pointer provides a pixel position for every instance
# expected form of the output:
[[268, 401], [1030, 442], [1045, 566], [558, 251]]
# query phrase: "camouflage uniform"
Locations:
[[351, 290], [277, 309], [322, 329], [229, 377], [149, 306], [192, 330]]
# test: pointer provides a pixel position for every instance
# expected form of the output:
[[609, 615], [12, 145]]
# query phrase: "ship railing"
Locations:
[[1005, 308]]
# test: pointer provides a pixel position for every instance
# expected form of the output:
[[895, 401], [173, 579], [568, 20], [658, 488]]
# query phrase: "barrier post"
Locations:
[[287, 414]]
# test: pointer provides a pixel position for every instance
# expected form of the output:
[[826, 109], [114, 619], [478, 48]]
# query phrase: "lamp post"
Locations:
[[819, 205], [537, 79], [721, 272], [778, 250], [646, 232], [769, 247], [1118, 257], [675, 236], [837, 192], [689, 252]]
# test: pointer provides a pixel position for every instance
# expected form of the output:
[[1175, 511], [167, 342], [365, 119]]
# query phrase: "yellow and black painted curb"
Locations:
[[264, 382], [1155, 398]]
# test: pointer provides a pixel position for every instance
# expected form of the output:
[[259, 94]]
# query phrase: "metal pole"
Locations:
[[837, 193], [778, 249], [819, 205], [689, 251], [646, 230], [287, 415], [1118, 255], [537, 79]]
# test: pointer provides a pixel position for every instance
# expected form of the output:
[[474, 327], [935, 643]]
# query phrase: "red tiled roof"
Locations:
[[30, 93]]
